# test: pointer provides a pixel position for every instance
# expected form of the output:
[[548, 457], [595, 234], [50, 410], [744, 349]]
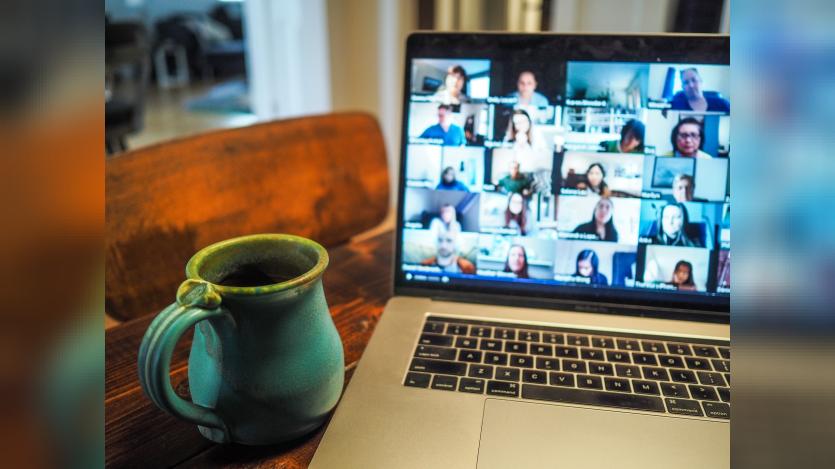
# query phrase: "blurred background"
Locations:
[[179, 68]]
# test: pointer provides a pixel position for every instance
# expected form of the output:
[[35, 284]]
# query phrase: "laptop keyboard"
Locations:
[[648, 373]]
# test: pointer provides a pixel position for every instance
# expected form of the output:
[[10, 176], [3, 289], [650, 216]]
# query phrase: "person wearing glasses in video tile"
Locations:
[[688, 138]]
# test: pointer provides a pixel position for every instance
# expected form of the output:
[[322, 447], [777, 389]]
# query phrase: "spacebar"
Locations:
[[600, 398]]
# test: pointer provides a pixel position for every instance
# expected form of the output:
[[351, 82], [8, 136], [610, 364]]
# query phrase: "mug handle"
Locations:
[[196, 301]]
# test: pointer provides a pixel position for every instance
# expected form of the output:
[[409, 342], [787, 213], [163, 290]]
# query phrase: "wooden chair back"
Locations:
[[321, 177]]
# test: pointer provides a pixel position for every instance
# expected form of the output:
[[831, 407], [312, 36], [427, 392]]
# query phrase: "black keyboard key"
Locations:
[[628, 371], [617, 384], [435, 339], [507, 374], [727, 378], [589, 382], [587, 397], [725, 352], [521, 361], [710, 379], [466, 342], [707, 351], [457, 329], [516, 347], [697, 363], [591, 353], [574, 366], [495, 358], [721, 365], [671, 361], [684, 407], [683, 376], [469, 356], [674, 390], [550, 364], [529, 336], [417, 380], [491, 345], [481, 371], [618, 356], [705, 393], [503, 388], [504, 333], [601, 368], [535, 376], [540, 349], [481, 331], [628, 344], [561, 379], [447, 383], [602, 342], [654, 347], [578, 340], [717, 410], [566, 352], [644, 359], [679, 349], [553, 338], [438, 366], [434, 327], [724, 394], [438, 353], [473, 385], [645, 387], [658, 374]]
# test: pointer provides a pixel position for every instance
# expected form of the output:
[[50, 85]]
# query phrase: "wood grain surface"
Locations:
[[138, 434], [321, 177]]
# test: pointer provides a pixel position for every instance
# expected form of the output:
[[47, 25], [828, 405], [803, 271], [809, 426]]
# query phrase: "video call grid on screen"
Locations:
[[609, 175]]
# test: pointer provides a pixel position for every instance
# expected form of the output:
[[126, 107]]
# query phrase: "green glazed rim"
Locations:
[[197, 260]]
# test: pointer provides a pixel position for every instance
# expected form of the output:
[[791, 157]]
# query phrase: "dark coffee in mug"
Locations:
[[259, 275]]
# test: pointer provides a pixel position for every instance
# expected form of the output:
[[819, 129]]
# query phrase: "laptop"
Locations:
[[562, 260]]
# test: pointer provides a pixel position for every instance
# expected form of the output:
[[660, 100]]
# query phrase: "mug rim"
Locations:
[[193, 265]]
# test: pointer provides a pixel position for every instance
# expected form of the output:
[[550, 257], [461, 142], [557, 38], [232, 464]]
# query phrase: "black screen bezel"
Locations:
[[660, 48]]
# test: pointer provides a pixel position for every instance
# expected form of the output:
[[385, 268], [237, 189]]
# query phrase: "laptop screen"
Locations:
[[567, 176]]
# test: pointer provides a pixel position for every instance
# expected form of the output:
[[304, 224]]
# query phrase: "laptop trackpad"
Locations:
[[530, 435]]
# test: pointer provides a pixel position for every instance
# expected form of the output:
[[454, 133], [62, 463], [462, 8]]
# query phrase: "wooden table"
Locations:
[[138, 434]]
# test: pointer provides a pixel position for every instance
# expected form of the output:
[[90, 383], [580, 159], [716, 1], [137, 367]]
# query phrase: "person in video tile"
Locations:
[[446, 221], [517, 261], [601, 223], [519, 131], [692, 98], [683, 276], [516, 181], [631, 139], [587, 265], [595, 180], [451, 134], [516, 213], [672, 223], [526, 93], [683, 187], [446, 254], [449, 182], [452, 91], [687, 138]]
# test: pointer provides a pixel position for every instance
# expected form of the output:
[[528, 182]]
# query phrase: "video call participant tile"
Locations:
[[612, 175], [594, 218], [433, 209], [595, 263], [674, 268], [515, 257], [439, 251], [445, 168]]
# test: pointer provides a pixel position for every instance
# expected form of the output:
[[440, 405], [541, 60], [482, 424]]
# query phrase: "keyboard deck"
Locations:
[[629, 371]]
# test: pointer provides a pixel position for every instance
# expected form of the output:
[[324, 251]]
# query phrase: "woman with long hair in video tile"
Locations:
[[672, 224], [520, 130], [516, 213], [452, 91], [587, 265], [517, 261], [683, 276], [601, 224], [447, 219], [595, 180], [449, 182]]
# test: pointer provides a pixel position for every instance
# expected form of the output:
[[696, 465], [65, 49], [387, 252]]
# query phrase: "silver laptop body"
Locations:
[[551, 356]]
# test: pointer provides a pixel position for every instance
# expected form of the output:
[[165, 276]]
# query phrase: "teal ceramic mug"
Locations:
[[266, 363]]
